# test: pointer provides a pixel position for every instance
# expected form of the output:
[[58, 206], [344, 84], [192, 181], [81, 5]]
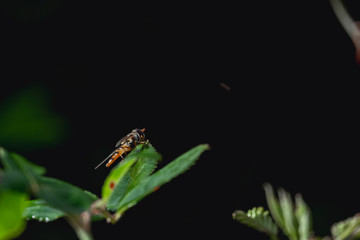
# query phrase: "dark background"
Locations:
[[99, 70]]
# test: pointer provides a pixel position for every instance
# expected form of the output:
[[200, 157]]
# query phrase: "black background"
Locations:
[[290, 118]]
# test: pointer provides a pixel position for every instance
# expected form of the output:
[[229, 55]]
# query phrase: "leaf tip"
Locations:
[[235, 213], [208, 147], [2, 151], [267, 186]]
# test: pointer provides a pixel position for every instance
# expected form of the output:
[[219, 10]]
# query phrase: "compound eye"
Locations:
[[139, 131], [138, 134]]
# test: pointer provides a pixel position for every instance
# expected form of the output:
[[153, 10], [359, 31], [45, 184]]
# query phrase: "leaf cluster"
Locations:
[[347, 229], [26, 194], [134, 178], [293, 218]]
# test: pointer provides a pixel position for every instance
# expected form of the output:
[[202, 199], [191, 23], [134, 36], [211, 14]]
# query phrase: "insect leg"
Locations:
[[141, 142]]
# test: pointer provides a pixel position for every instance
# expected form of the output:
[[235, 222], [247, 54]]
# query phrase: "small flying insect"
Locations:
[[125, 145]]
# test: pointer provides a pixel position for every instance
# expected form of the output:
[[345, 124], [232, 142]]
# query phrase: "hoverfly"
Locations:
[[125, 145]]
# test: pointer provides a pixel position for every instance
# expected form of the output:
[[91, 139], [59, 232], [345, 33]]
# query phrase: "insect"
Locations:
[[125, 145]]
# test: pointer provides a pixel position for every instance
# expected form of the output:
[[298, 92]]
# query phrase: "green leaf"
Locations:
[[274, 206], [12, 205], [34, 168], [24, 169], [8, 163], [118, 172], [303, 216], [145, 165], [146, 160], [258, 219], [64, 196], [287, 209], [41, 211], [13, 180], [119, 191], [346, 229], [164, 175], [117, 181]]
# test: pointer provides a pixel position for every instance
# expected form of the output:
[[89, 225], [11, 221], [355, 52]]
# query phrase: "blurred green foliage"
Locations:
[[27, 121], [30, 10], [12, 205]]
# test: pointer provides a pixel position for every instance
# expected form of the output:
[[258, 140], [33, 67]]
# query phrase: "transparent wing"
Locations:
[[123, 140], [103, 161]]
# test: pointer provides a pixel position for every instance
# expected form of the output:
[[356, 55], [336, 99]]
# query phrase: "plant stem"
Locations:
[[80, 229], [82, 234]]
